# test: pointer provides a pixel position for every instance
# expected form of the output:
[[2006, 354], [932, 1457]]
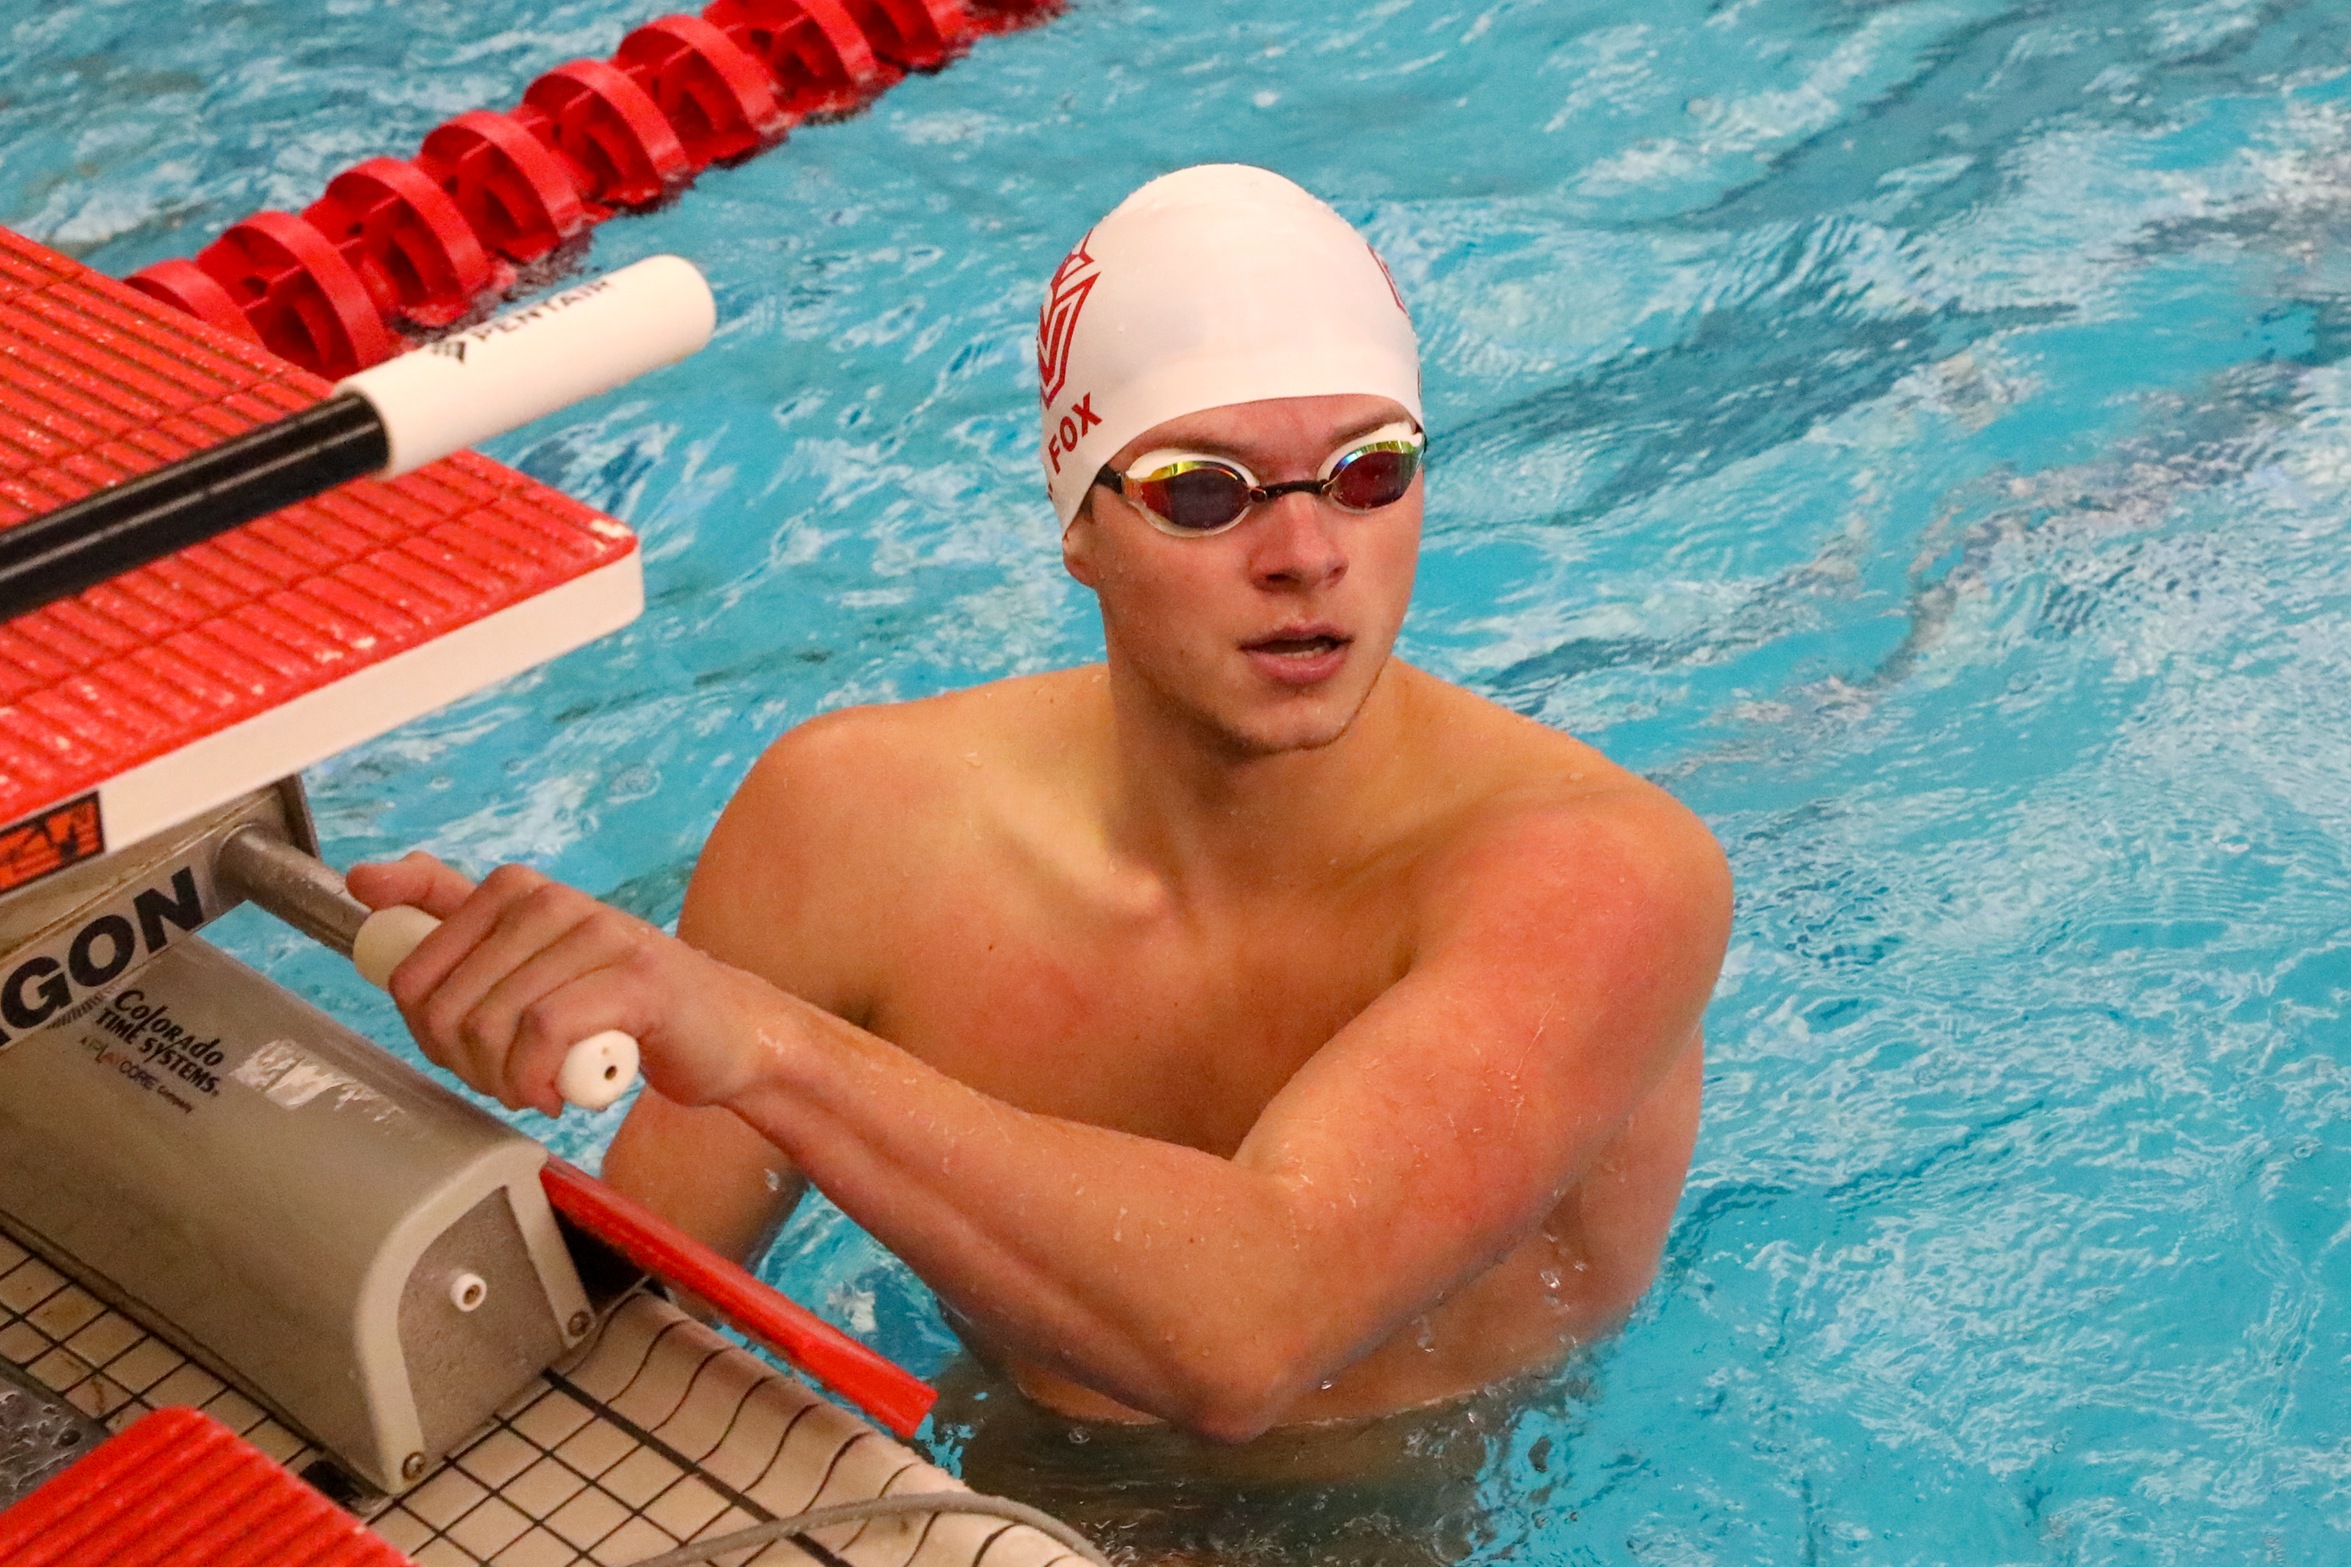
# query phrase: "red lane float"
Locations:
[[817, 53], [716, 95], [186, 286], [399, 246], [914, 35], [511, 187], [612, 137], [302, 295], [422, 263]]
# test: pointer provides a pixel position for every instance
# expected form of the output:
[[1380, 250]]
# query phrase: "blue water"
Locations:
[[1918, 434]]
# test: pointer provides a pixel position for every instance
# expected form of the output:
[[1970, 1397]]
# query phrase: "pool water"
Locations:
[[1917, 433]]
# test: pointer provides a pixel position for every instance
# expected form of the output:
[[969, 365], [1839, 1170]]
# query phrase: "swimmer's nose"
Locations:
[[1297, 544]]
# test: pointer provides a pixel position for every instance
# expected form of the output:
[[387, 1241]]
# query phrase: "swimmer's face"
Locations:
[[1272, 632]]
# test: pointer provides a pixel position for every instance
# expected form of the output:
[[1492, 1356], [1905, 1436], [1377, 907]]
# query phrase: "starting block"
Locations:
[[175, 688]]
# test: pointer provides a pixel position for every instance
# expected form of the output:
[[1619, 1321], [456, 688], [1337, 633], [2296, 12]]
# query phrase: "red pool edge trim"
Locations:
[[396, 247], [883, 1389]]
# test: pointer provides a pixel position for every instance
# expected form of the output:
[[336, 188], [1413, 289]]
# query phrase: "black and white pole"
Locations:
[[380, 423]]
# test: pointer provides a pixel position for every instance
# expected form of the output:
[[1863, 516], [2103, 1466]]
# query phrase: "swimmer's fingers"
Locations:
[[525, 968], [593, 1001], [421, 984], [704, 1027], [529, 915], [416, 879], [491, 1034]]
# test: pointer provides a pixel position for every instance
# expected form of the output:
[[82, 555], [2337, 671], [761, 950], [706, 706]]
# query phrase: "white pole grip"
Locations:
[[596, 1071], [464, 388]]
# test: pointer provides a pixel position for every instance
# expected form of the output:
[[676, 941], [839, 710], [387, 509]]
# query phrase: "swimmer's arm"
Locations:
[[705, 1169], [1565, 973], [757, 901], [707, 1172]]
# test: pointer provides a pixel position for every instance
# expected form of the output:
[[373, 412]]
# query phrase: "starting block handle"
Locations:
[[306, 893], [596, 1071]]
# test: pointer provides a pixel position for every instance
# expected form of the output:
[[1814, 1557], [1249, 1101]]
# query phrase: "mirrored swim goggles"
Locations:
[[1192, 495]]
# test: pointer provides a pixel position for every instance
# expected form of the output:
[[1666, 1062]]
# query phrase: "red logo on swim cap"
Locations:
[[1057, 322]]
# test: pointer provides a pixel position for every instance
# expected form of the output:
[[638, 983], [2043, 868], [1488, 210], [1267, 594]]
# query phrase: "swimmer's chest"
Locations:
[[1162, 1028]]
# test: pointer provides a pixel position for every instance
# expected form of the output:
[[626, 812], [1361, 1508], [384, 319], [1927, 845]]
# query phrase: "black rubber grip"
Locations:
[[123, 527]]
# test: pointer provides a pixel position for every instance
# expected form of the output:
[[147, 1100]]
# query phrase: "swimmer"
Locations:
[[1248, 1032]]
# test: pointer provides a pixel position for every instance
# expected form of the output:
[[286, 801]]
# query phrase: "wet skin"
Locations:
[[1250, 1030]]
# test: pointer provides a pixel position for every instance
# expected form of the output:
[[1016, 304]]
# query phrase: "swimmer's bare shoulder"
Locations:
[[1491, 781], [842, 814], [805, 882], [847, 817]]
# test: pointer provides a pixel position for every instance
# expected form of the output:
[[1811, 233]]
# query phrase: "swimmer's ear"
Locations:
[[1077, 544]]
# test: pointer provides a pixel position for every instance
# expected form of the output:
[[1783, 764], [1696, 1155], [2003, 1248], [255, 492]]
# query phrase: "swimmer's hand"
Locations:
[[522, 966]]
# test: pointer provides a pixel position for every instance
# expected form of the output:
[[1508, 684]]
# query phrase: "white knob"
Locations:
[[386, 939], [596, 1071], [467, 1291]]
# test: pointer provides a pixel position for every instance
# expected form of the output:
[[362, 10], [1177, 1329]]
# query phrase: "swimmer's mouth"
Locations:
[[1300, 642]]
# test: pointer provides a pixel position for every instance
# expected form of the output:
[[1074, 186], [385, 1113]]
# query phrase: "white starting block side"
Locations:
[[369, 702], [656, 1434]]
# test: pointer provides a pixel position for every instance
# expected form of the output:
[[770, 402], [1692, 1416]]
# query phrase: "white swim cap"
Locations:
[[1216, 284]]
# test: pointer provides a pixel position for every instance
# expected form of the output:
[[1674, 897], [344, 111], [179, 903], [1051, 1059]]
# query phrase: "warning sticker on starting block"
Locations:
[[46, 843]]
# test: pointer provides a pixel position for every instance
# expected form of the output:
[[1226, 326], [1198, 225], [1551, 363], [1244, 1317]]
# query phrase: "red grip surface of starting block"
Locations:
[[156, 696], [179, 1489]]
